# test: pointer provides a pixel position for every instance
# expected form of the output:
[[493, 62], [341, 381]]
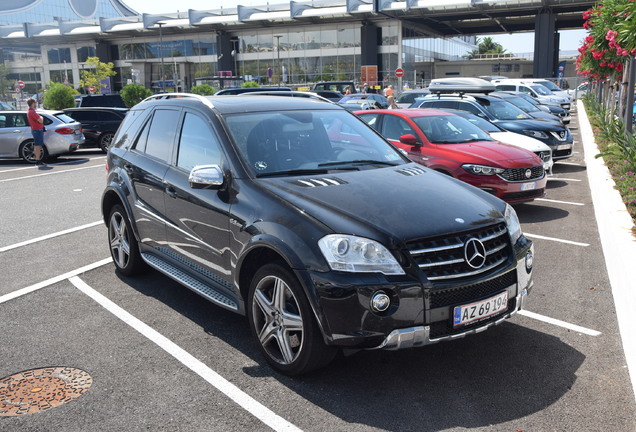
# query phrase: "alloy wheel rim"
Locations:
[[277, 319], [118, 239]]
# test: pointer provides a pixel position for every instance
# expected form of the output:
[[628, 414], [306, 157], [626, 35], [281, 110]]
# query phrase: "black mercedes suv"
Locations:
[[297, 214]]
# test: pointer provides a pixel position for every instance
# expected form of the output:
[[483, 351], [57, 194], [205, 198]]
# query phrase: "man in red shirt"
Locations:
[[37, 130]]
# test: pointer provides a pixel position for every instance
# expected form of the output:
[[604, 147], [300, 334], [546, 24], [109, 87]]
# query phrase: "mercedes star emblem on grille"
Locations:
[[475, 253]]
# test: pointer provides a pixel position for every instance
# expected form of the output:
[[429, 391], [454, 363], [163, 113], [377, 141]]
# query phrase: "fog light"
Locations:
[[380, 301], [529, 260]]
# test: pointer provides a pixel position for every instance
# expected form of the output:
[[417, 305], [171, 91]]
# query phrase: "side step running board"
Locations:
[[194, 284]]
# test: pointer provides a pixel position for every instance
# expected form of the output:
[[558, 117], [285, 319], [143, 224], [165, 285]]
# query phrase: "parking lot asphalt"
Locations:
[[162, 358]]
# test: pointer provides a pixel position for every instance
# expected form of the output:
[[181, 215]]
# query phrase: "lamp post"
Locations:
[[163, 81], [235, 55], [278, 57]]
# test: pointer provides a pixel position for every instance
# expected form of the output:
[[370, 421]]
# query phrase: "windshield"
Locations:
[[480, 122], [549, 84], [539, 89], [450, 129], [522, 103], [502, 110], [308, 142]]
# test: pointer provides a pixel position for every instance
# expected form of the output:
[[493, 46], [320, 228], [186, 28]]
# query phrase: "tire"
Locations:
[[122, 243], [283, 324], [105, 141], [26, 151], [27, 154]]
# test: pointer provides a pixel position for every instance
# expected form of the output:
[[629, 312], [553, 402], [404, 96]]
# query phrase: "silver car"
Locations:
[[62, 135]]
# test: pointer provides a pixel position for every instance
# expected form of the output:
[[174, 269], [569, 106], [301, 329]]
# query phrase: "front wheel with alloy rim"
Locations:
[[123, 245], [105, 141], [283, 324]]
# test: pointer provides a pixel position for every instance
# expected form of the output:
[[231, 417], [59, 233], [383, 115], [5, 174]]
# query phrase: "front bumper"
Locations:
[[420, 313]]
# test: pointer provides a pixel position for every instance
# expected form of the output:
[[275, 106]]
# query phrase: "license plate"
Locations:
[[475, 311], [528, 186], [564, 146]]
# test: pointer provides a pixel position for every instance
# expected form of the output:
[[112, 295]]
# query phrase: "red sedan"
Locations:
[[452, 145]]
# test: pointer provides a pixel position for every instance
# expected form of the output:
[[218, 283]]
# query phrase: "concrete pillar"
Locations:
[[546, 47]]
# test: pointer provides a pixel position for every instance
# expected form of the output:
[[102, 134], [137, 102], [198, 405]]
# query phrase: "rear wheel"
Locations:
[[283, 324], [105, 141], [27, 153], [123, 245]]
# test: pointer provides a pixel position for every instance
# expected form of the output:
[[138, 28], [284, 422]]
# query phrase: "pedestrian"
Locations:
[[365, 88], [391, 101], [36, 121], [388, 91]]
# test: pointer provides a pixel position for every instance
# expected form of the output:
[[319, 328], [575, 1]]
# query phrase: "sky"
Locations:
[[513, 43]]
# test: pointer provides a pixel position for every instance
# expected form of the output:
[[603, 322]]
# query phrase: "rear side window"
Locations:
[[441, 104], [161, 134], [506, 87], [129, 127]]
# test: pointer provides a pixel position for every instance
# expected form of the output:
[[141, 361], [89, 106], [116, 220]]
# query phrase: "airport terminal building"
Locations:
[[44, 41]]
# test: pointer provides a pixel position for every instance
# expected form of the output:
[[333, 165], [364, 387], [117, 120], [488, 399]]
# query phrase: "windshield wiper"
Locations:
[[357, 162]]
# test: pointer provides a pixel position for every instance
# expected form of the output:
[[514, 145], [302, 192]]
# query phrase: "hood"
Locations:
[[519, 125], [519, 140], [392, 204], [493, 153]]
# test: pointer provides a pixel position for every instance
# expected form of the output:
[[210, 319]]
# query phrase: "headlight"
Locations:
[[353, 254], [536, 134], [482, 169], [512, 221]]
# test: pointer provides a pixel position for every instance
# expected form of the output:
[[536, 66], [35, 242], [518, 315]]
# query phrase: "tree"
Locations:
[[248, 84], [486, 46], [132, 94], [5, 83], [203, 90], [96, 72], [59, 96]]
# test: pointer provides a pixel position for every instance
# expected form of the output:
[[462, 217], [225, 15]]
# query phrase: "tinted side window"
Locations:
[[465, 106], [197, 144], [441, 104], [506, 88], [78, 115], [394, 127], [128, 129], [161, 134]]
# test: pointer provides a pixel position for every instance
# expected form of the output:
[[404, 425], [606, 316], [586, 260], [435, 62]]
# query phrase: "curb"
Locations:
[[618, 243]]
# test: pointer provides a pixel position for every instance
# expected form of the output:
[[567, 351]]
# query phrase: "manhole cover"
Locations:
[[37, 390]]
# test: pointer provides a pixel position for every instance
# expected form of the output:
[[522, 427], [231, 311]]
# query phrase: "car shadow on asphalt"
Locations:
[[534, 212], [559, 168], [497, 376]]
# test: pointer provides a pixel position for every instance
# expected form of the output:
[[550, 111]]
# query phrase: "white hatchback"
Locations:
[[62, 135]]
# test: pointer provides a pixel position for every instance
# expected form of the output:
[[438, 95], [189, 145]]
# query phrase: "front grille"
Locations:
[[443, 257], [536, 193], [562, 153], [458, 295], [521, 174], [561, 135], [445, 328], [544, 155]]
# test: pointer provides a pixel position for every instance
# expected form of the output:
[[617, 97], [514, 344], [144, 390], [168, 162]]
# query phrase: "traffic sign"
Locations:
[[399, 72], [91, 89], [21, 84]]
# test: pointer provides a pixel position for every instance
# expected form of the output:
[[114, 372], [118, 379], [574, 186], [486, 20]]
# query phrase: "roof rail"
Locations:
[[160, 96]]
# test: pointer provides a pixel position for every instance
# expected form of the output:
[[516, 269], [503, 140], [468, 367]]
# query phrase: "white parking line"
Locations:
[[56, 279], [556, 239], [40, 174], [559, 202], [31, 167], [560, 323], [250, 404], [50, 236], [563, 178]]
